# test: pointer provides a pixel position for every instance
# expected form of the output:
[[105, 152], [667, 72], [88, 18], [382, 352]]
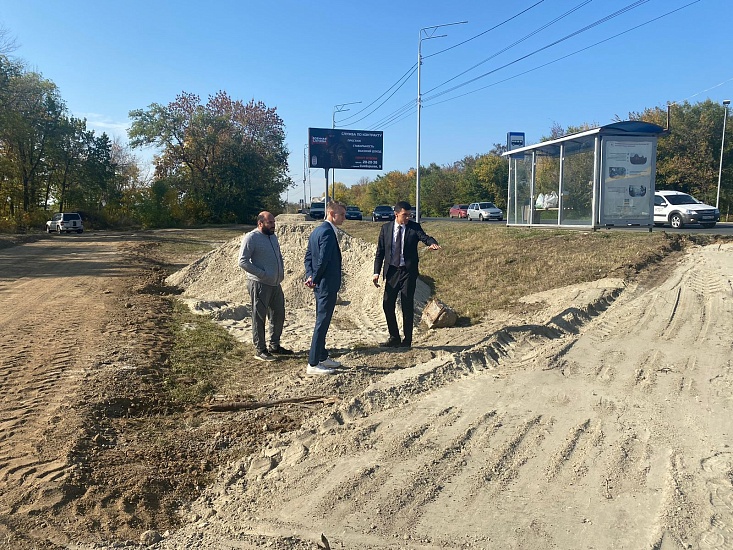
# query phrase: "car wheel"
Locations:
[[79, 231], [48, 230], [58, 230], [675, 220], [480, 217]]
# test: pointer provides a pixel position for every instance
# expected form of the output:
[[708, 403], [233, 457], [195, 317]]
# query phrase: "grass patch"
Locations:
[[204, 357], [490, 266]]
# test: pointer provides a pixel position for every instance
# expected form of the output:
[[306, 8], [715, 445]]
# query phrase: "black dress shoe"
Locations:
[[279, 350], [391, 343], [405, 344]]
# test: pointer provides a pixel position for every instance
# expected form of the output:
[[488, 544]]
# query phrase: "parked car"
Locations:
[[383, 213], [458, 211], [353, 213], [413, 212], [484, 211], [65, 222], [679, 209], [318, 210]]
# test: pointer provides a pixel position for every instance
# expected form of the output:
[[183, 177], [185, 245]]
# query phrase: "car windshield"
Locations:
[[462, 206], [680, 199], [486, 205], [71, 216], [383, 209], [352, 208]]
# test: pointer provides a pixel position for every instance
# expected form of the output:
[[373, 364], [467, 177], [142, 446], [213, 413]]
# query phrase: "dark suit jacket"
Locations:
[[413, 235], [323, 258]]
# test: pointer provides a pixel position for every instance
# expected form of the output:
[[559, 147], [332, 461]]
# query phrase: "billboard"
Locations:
[[351, 149]]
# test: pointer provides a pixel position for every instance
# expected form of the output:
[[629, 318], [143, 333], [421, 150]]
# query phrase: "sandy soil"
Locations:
[[599, 420]]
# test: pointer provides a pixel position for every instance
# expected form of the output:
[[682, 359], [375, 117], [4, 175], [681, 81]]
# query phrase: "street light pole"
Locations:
[[726, 102], [430, 34], [336, 109]]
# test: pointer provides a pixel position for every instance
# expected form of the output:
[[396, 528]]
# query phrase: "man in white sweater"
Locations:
[[261, 258]]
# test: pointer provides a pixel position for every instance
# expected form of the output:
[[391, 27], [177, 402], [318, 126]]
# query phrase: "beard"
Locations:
[[268, 231]]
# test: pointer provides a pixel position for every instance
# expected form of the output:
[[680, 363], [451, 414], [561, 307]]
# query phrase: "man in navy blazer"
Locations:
[[397, 260], [323, 275]]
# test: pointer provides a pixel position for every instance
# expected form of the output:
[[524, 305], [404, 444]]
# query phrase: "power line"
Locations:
[[526, 37], [556, 42], [486, 31], [403, 78], [576, 52], [413, 69], [707, 90]]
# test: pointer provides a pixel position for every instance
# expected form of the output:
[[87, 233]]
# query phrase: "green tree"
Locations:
[[226, 159], [31, 110], [688, 158]]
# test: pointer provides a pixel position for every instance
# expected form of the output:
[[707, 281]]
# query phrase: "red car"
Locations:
[[458, 211]]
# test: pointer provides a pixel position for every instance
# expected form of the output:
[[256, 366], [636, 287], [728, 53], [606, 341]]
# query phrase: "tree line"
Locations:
[[224, 160], [688, 160]]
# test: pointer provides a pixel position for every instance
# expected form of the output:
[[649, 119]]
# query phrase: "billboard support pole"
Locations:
[[325, 197]]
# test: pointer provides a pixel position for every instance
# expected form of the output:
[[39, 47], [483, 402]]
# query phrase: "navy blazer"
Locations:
[[413, 234], [323, 258]]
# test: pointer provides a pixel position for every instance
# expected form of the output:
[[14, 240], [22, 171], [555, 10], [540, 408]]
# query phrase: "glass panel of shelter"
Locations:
[[520, 193]]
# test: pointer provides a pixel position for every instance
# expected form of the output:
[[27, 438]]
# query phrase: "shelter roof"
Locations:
[[584, 141]]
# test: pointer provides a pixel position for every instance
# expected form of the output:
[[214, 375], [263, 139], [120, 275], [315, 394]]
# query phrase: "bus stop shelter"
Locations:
[[602, 177]]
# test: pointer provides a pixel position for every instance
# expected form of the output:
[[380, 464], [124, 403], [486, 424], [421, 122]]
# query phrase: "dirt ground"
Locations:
[[597, 418]]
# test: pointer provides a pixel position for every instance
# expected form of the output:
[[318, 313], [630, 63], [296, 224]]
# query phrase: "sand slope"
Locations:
[[604, 421]]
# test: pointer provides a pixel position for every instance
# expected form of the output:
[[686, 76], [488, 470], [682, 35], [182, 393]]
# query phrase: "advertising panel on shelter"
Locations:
[[628, 180], [350, 149]]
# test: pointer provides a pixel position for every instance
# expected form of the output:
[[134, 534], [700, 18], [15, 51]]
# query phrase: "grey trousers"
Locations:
[[267, 301]]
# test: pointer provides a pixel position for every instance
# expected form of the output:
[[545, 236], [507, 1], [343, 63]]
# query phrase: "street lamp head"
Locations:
[[726, 102]]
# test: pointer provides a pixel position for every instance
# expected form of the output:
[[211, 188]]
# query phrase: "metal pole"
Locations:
[[419, 107], [726, 102], [305, 168]]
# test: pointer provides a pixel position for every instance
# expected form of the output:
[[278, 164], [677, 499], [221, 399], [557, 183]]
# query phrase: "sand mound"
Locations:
[[216, 285]]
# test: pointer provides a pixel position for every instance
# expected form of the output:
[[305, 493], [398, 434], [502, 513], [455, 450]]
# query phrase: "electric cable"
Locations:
[[526, 37], [486, 31], [569, 55], [543, 48], [403, 78]]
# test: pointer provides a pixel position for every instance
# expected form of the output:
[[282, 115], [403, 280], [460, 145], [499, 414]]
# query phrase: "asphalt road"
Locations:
[[722, 228]]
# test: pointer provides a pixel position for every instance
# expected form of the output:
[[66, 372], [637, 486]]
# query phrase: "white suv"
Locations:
[[679, 209], [65, 222]]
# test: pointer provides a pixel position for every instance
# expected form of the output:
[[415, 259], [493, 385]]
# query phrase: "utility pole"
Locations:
[[429, 34], [726, 102]]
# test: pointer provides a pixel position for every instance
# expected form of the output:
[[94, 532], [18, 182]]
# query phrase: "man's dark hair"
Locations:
[[402, 205]]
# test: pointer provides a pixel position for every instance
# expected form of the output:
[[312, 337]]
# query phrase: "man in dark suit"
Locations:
[[323, 275], [397, 260]]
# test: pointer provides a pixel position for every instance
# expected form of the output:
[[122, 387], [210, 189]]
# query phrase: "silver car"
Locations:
[[484, 211]]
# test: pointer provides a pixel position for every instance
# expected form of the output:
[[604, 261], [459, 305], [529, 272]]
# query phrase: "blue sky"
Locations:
[[305, 58]]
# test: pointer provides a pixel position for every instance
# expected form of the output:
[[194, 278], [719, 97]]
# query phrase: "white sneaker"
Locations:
[[330, 363], [318, 369]]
